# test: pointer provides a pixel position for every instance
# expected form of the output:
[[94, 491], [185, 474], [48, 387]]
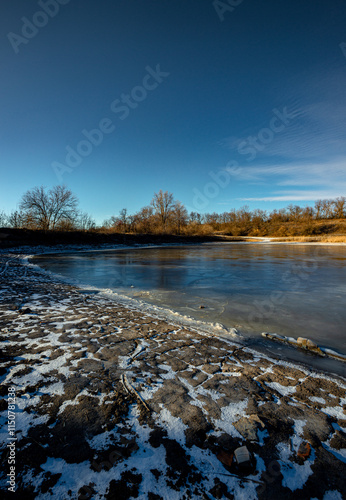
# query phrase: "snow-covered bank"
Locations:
[[65, 352]]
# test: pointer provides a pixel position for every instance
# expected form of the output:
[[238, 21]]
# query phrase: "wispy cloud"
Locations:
[[307, 159], [309, 181], [318, 101], [295, 196]]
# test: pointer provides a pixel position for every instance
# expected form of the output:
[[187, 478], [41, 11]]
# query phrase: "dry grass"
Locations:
[[341, 238]]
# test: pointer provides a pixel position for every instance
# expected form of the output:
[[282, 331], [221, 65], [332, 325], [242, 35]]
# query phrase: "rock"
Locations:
[[247, 427], [309, 345], [225, 457], [292, 341], [220, 490], [27, 310], [336, 355], [274, 336], [244, 460], [338, 441], [242, 455], [304, 450], [202, 307], [301, 342]]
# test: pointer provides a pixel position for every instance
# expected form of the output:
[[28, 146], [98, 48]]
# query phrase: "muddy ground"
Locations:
[[113, 403]]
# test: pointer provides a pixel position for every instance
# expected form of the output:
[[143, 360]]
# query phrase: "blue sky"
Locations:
[[221, 107]]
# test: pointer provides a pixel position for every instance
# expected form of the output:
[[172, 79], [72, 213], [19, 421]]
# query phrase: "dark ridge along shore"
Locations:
[[10, 238], [112, 403]]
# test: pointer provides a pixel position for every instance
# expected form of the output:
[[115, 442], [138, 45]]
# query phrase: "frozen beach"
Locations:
[[111, 402]]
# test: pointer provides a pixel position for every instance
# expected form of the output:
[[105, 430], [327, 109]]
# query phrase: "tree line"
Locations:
[[57, 209], [54, 209]]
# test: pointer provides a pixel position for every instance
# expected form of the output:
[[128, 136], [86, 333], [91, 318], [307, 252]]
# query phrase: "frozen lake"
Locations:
[[295, 290]]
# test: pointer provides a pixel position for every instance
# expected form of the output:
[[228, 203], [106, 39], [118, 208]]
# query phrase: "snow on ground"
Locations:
[[193, 398]]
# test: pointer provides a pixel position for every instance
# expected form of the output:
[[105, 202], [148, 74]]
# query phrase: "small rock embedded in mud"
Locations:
[[247, 426], [309, 345], [225, 457], [244, 460], [27, 310], [338, 441], [242, 455], [304, 450]]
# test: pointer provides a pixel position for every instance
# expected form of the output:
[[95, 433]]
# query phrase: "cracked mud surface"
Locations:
[[190, 400]]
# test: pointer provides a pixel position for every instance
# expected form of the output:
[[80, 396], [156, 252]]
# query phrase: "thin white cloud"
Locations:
[[307, 159], [308, 181], [298, 196], [318, 101], [332, 173]]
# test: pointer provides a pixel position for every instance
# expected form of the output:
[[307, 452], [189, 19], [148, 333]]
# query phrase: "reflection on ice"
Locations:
[[292, 290]]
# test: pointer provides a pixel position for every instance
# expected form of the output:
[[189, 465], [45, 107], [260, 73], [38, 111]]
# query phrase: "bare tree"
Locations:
[[48, 209], [143, 220], [180, 215], [340, 207], [308, 213], [123, 219], [324, 209], [121, 222], [163, 204], [108, 224], [16, 219], [195, 217], [63, 205], [85, 222], [327, 208], [3, 219], [35, 203], [295, 212], [318, 209], [213, 220]]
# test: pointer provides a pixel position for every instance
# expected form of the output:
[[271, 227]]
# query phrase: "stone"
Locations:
[[309, 345], [225, 457], [247, 427], [27, 310], [242, 456], [338, 441], [304, 450]]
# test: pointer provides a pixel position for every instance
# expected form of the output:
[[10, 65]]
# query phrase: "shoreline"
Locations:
[[189, 401], [332, 365], [331, 360]]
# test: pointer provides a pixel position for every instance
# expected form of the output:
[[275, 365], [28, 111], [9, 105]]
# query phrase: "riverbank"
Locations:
[[115, 403], [19, 238], [209, 287]]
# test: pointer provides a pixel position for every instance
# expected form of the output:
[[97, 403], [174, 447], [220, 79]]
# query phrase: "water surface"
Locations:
[[295, 290]]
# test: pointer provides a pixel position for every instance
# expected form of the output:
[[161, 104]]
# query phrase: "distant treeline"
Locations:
[[57, 209]]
